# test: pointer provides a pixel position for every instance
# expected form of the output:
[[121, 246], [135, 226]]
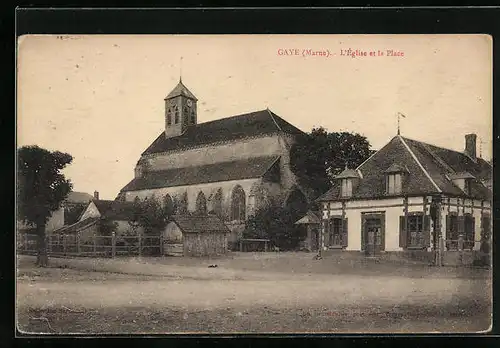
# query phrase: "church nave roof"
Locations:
[[226, 129]]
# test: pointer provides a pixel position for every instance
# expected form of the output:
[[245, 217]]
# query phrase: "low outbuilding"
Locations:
[[201, 235]]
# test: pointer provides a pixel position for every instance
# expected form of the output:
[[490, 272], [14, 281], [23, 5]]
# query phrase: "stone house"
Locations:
[[230, 167], [120, 213], [59, 218], [410, 197]]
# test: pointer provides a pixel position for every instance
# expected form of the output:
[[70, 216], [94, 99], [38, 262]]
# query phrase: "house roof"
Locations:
[[463, 175], [396, 168], [226, 129], [200, 224], [429, 169], [310, 218], [180, 89], [79, 197], [348, 173], [115, 210], [235, 170], [77, 227]]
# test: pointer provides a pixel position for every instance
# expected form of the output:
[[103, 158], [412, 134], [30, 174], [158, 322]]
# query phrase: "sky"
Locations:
[[100, 97]]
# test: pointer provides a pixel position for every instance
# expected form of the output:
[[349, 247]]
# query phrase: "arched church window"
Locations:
[[183, 204], [218, 203], [201, 204], [238, 204], [176, 115], [193, 120], [168, 205], [169, 117]]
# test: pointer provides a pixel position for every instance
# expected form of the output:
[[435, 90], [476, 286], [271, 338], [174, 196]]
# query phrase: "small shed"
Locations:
[[313, 222], [201, 235]]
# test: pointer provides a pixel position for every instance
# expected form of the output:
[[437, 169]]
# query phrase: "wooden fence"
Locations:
[[94, 246]]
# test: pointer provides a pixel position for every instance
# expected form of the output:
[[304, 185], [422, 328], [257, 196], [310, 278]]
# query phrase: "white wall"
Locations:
[[90, 211], [394, 208]]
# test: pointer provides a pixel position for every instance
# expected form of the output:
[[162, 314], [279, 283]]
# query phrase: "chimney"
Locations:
[[96, 195], [470, 146]]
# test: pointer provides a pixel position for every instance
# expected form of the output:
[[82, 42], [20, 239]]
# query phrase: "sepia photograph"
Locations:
[[242, 184]]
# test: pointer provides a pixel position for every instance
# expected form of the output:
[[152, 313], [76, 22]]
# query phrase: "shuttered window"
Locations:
[[336, 232], [469, 231], [414, 231]]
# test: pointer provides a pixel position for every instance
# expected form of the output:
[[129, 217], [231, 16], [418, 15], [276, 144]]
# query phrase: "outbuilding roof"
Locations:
[[200, 224], [115, 210]]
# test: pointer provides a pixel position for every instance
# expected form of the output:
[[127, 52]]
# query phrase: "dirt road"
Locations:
[[81, 301]]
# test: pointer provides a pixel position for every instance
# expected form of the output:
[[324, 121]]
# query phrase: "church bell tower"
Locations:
[[180, 110]]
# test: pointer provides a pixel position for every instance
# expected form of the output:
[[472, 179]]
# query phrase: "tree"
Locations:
[[152, 215], [41, 189], [72, 213], [318, 157], [276, 224]]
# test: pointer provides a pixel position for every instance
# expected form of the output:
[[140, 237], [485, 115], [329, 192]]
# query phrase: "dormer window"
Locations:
[[394, 179], [346, 187], [394, 186], [347, 181], [463, 181], [467, 183]]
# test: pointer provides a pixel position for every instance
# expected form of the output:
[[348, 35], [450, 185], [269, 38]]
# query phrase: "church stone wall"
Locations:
[[276, 145], [208, 189], [238, 150]]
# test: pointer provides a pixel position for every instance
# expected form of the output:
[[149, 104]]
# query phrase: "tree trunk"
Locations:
[[42, 259]]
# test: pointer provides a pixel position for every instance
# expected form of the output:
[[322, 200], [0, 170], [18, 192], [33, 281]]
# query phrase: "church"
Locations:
[[229, 167]]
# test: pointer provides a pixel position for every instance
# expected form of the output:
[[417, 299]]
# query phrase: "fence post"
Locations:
[[139, 237], [241, 245], [113, 245], [94, 237], [49, 243], [64, 244], [26, 242], [460, 247], [161, 244], [78, 250]]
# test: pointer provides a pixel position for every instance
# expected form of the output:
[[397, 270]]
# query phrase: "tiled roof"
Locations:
[[79, 197], [226, 129], [235, 170], [77, 227], [200, 224], [115, 210], [348, 173], [180, 89], [396, 168], [437, 162], [310, 218]]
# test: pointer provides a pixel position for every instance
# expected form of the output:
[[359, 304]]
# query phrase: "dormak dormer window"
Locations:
[[347, 181], [394, 176]]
